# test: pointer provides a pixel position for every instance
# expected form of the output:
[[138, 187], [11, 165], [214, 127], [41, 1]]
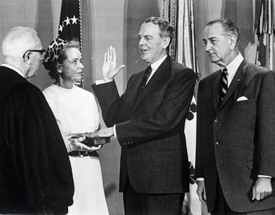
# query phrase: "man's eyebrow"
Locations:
[[145, 35], [210, 38]]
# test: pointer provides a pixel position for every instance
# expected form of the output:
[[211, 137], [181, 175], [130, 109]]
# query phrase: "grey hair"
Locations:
[[229, 27], [165, 28], [18, 40]]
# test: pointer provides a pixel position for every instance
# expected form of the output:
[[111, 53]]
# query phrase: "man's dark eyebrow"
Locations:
[[211, 38]]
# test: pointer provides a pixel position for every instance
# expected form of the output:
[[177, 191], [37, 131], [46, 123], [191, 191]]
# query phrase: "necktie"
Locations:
[[147, 74], [224, 84]]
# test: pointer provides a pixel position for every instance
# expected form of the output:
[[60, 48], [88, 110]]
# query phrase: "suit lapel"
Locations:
[[235, 83], [157, 80], [216, 89], [136, 89]]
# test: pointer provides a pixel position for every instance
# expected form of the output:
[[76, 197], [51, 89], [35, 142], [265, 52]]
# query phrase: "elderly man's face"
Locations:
[[217, 44], [151, 45]]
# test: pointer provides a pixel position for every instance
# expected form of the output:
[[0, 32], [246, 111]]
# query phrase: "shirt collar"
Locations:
[[233, 66], [13, 68], [156, 64]]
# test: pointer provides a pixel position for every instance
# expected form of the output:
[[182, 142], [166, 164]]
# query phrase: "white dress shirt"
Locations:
[[232, 68]]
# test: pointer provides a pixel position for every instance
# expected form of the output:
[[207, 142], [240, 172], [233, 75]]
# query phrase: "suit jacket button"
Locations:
[[216, 120], [216, 143]]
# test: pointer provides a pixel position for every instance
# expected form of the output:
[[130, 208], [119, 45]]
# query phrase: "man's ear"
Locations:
[[166, 41], [27, 58], [232, 41]]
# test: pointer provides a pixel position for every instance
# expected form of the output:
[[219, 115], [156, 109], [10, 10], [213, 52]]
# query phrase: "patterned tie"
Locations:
[[224, 84], [147, 74]]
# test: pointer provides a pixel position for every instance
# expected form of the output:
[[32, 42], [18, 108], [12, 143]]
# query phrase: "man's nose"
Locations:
[[141, 41], [208, 46]]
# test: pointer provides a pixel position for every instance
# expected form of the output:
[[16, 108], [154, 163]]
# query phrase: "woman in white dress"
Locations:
[[76, 113]]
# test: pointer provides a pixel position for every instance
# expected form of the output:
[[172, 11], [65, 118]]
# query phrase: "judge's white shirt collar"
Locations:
[[13, 68]]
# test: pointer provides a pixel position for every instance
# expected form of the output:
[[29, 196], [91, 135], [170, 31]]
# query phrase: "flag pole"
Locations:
[[80, 40]]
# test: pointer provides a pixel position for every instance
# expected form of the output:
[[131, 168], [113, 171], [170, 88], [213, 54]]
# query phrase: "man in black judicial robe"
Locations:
[[35, 172]]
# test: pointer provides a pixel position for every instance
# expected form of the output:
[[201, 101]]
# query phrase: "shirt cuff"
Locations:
[[264, 176], [67, 144], [115, 136], [200, 179], [98, 82]]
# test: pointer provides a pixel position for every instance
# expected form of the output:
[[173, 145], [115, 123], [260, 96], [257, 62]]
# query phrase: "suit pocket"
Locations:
[[244, 104], [244, 113]]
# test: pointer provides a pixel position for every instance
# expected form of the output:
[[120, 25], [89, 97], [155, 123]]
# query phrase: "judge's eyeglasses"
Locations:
[[41, 51]]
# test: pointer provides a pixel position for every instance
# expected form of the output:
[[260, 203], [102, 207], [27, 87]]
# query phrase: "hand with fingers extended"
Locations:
[[82, 143], [109, 70]]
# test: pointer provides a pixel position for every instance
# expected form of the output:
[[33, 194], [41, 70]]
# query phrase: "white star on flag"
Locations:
[[74, 20], [67, 21], [60, 28]]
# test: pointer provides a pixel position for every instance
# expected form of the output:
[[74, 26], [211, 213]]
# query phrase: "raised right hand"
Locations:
[[109, 70]]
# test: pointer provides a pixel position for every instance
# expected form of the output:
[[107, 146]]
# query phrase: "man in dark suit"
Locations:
[[35, 171], [235, 162], [149, 124]]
